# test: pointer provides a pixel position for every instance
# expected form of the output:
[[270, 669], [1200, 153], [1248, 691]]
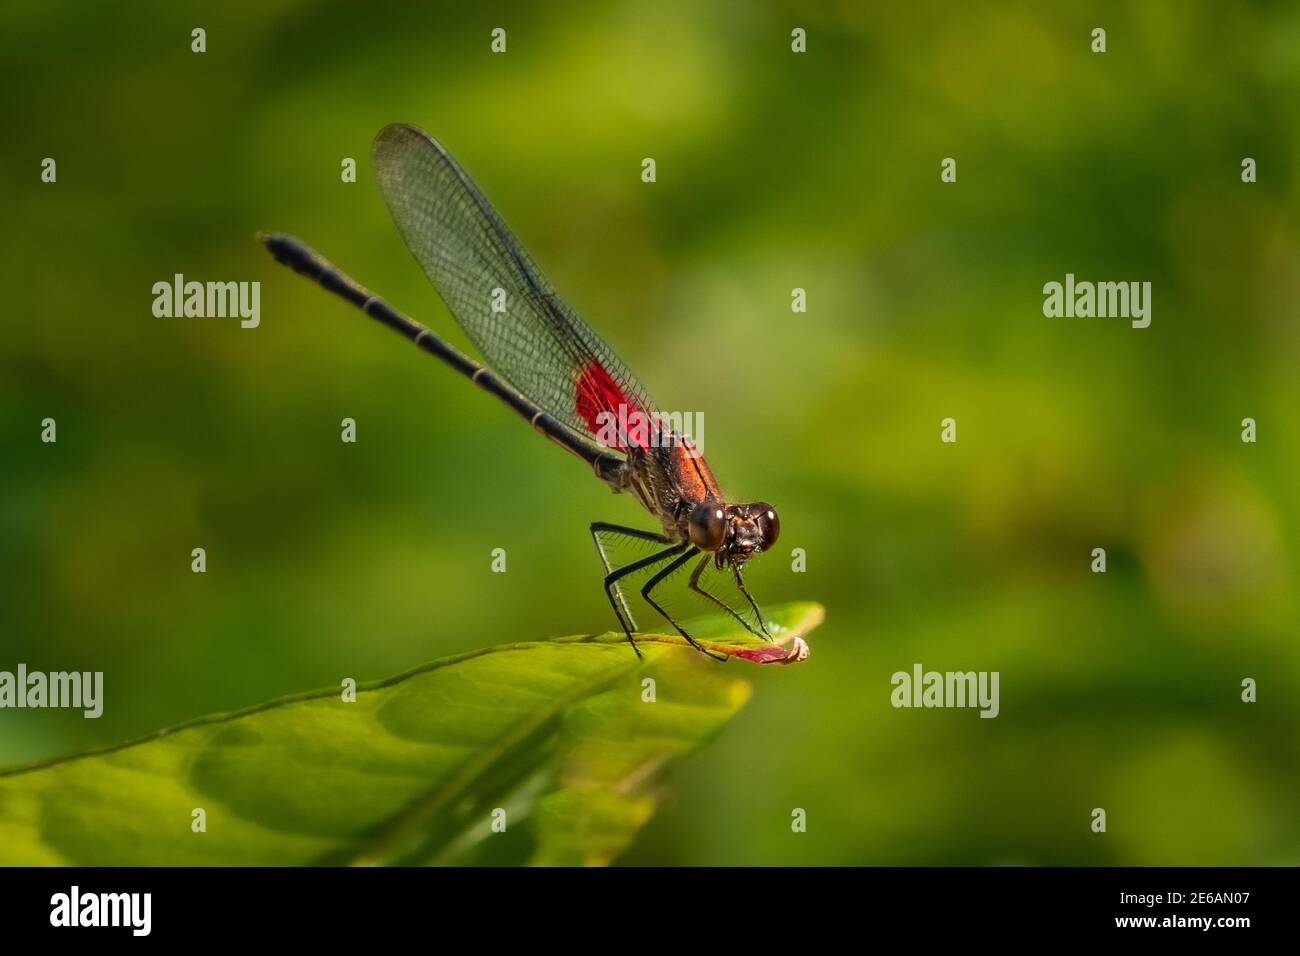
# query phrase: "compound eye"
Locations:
[[769, 525], [708, 526]]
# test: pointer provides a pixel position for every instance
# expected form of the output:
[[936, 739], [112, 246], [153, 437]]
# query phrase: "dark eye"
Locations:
[[769, 525], [708, 526]]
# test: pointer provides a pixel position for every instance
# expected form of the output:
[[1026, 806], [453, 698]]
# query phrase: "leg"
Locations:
[[611, 580], [654, 581], [695, 586], [601, 528], [740, 583]]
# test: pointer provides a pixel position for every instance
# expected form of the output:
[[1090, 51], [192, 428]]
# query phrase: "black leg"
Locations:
[[654, 581], [695, 586], [611, 580], [599, 529], [748, 597]]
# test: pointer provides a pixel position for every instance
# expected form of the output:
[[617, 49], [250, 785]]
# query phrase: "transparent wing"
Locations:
[[531, 338]]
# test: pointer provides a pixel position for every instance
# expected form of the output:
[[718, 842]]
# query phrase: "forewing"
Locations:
[[537, 343]]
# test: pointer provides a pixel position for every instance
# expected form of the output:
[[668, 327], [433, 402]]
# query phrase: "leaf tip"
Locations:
[[797, 651]]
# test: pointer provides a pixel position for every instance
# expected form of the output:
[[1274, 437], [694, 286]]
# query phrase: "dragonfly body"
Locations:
[[552, 370]]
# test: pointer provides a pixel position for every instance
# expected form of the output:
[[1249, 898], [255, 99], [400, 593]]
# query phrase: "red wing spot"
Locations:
[[605, 409]]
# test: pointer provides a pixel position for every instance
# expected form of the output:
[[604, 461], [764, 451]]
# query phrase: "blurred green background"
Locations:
[[775, 171]]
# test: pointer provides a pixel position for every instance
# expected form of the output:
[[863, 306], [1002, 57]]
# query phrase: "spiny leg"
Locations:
[[695, 586], [748, 597], [654, 581], [600, 528], [612, 578]]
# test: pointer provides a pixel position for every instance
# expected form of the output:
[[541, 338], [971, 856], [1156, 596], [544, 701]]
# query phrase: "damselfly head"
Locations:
[[751, 528]]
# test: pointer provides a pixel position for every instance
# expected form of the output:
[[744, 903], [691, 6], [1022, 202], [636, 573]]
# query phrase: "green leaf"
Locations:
[[555, 733]]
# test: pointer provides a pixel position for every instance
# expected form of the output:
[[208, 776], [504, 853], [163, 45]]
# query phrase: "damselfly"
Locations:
[[552, 369]]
